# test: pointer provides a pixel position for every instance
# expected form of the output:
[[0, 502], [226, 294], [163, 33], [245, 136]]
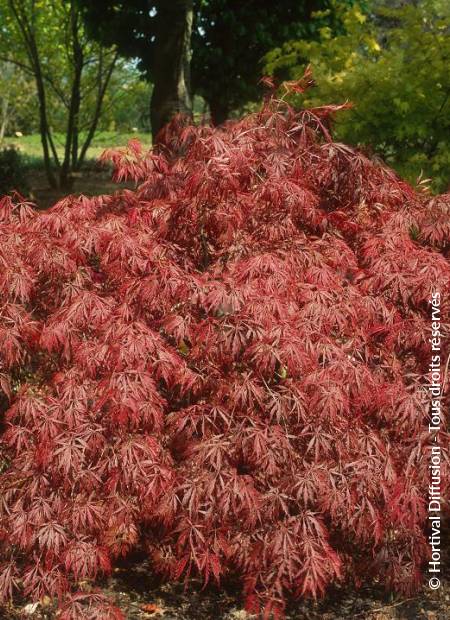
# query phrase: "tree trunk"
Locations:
[[5, 116], [171, 93], [71, 146], [219, 111], [43, 127], [29, 39]]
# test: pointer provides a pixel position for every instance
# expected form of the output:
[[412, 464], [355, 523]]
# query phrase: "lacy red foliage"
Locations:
[[226, 366]]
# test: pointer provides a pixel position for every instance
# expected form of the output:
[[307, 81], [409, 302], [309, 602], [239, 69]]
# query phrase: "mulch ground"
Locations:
[[142, 597]]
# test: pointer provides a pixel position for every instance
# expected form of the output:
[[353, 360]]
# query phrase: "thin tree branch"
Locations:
[[98, 108]]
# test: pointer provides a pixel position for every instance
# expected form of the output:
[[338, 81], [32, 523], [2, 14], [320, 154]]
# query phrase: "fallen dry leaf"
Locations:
[[151, 608]]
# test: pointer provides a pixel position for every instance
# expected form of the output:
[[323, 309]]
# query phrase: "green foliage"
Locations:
[[12, 171], [232, 38], [229, 41], [126, 104], [77, 85], [17, 100], [392, 64]]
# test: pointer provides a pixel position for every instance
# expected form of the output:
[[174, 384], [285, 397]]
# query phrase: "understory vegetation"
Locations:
[[390, 60]]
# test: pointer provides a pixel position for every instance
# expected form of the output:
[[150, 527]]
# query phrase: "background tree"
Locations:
[[172, 62], [392, 64], [47, 40], [16, 98], [158, 34], [229, 40], [125, 107]]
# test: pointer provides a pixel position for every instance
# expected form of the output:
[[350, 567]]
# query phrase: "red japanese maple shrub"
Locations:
[[226, 366]]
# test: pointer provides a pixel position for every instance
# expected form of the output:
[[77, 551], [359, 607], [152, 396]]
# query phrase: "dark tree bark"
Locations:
[[71, 146], [28, 34], [219, 111], [171, 93]]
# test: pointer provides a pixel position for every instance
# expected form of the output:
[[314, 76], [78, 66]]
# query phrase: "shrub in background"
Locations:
[[226, 366], [12, 171], [401, 95]]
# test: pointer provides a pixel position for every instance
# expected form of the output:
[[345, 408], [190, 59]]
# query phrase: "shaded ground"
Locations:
[[142, 597], [92, 181], [133, 589]]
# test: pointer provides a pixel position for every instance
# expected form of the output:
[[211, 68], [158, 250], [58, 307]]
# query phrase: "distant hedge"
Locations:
[[12, 171]]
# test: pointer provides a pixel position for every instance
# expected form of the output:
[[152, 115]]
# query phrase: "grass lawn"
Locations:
[[93, 179], [31, 145]]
